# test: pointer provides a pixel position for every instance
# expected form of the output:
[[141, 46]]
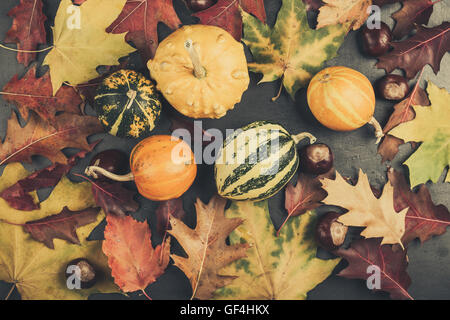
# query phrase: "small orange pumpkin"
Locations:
[[342, 99], [162, 166]]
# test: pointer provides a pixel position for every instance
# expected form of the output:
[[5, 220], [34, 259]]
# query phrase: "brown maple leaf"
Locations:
[[31, 93], [226, 15], [334, 12], [133, 261], [27, 29], [139, 18], [38, 138], [423, 219], [206, 247]]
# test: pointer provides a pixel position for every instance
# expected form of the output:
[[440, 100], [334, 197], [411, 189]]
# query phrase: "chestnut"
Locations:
[[316, 158], [81, 267], [376, 42], [112, 160], [330, 233], [393, 87], [199, 5]]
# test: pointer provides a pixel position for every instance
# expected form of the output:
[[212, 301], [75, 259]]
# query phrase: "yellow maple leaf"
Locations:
[[365, 210], [80, 42]]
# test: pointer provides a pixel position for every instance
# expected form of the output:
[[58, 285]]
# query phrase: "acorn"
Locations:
[[87, 273], [330, 233]]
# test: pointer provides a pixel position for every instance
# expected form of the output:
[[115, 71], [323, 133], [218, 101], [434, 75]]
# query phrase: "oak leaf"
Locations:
[[167, 209], [353, 12], [412, 14], [377, 215], [134, 262], [27, 29], [206, 247], [113, 198]]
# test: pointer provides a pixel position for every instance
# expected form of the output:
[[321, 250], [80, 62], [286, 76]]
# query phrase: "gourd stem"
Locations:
[[94, 171], [199, 71], [378, 130], [299, 137]]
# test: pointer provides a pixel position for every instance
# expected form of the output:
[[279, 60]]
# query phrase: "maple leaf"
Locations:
[[140, 20], [423, 219], [427, 46], [36, 270], [432, 127], [27, 29], [291, 50], [78, 50], [113, 198], [366, 210], [226, 15], [38, 138], [403, 112], [353, 12], [367, 253], [206, 247], [133, 261], [283, 267], [31, 93], [412, 13], [166, 209]]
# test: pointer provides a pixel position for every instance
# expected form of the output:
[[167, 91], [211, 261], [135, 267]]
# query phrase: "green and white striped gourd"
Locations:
[[256, 161], [127, 104]]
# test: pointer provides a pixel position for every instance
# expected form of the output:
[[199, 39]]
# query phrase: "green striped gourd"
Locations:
[[256, 161], [127, 104]]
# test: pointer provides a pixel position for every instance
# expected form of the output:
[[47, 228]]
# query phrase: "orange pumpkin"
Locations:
[[342, 99], [162, 167]]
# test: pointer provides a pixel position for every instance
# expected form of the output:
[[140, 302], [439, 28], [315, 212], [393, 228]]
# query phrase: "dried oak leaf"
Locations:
[[427, 46], [365, 210], [353, 12], [403, 112], [27, 29], [36, 270], [367, 253], [226, 15], [140, 20], [166, 209], [113, 198], [38, 138], [206, 247], [134, 262], [423, 219], [412, 13], [31, 93]]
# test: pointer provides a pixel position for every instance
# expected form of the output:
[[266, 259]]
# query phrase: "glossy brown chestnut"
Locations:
[[112, 160], [316, 158], [393, 87], [199, 5], [330, 233], [376, 42], [83, 271]]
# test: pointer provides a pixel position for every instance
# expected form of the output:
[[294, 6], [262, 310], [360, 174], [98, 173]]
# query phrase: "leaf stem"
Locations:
[[25, 51], [146, 295], [10, 291]]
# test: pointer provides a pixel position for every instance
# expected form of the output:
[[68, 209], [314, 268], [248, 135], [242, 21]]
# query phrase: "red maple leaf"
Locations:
[[139, 18], [27, 29], [225, 14]]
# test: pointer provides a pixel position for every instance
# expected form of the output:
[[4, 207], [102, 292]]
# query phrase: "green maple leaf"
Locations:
[[291, 50], [283, 267]]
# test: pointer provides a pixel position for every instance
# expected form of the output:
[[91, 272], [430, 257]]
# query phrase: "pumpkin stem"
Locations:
[[199, 71], [94, 171], [299, 137], [378, 130]]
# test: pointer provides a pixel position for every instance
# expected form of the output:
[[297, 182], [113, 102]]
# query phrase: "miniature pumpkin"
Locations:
[[127, 104], [162, 167], [201, 70], [342, 99]]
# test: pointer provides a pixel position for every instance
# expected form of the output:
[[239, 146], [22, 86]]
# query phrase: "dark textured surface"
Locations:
[[429, 263]]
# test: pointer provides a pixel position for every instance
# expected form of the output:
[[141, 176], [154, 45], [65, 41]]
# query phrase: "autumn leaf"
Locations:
[[403, 112], [413, 13], [133, 261], [431, 126], [78, 50], [38, 138], [196, 132], [283, 267], [31, 93], [427, 46], [166, 209], [423, 219], [206, 247], [37, 271], [140, 20], [113, 198], [353, 12], [226, 15], [291, 50], [367, 256], [27, 29], [365, 210]]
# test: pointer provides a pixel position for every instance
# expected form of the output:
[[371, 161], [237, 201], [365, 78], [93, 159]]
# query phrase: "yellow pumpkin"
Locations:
[[201, 71], [342, 99]]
